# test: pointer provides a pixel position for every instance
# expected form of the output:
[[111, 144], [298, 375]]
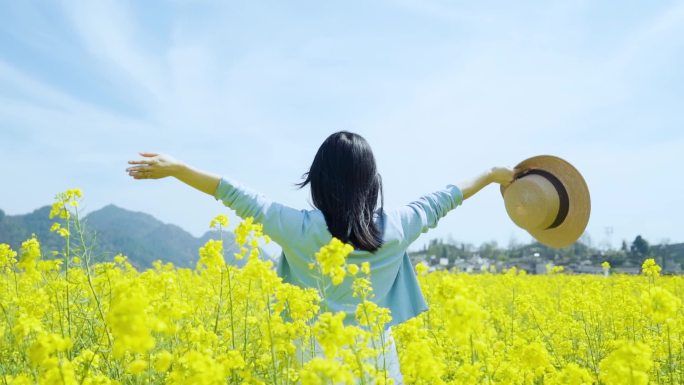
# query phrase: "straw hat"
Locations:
[[549, 199]]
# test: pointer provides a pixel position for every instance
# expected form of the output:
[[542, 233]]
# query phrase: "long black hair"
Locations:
[[345, 186]]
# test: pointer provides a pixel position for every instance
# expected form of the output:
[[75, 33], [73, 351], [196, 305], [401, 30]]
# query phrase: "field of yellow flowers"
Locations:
[[64, 320]]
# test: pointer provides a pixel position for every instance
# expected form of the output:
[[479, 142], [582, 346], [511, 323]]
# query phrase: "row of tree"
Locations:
[[628, 254]]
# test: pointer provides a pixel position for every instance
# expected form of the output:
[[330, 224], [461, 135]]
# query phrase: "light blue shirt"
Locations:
[[301, 233]]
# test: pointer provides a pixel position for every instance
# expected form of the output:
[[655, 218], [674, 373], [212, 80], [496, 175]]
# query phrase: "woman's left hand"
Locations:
[[153, 166]]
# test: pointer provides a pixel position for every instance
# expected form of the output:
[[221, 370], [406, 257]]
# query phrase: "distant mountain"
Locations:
[[137, 235]]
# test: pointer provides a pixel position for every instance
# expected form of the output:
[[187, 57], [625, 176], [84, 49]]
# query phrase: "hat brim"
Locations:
[[572, 228]]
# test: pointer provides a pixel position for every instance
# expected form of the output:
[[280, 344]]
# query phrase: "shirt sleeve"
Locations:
[[423, 214], [280, 222]]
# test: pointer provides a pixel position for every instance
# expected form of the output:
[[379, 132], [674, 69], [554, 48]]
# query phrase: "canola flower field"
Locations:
[[66, 320]]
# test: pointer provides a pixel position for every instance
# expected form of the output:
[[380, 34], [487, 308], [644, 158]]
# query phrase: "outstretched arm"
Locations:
[[156, 166], [283, 224], [499, 175], [420, 216]]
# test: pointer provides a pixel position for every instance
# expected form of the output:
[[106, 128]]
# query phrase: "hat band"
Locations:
[[563, 200]]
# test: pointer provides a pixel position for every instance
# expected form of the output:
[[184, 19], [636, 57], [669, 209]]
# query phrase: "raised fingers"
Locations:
[[138, 168], [140, 174], [142, 161]]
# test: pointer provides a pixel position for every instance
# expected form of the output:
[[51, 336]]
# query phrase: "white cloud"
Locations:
[[109, 32]]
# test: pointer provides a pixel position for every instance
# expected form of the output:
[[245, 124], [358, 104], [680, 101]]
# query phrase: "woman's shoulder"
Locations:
[[390, 222], [314, 226]]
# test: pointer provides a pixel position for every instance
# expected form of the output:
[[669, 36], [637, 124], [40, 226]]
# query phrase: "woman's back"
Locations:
[[301, 233]]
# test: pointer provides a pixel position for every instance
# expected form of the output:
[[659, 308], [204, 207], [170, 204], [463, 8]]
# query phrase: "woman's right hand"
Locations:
[[501, 175], [154, 166]]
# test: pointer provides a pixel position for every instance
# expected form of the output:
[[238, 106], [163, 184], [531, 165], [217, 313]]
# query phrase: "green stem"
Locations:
[[220, 303], [230, 299], [66, 274], [249, 288], [270, 336]]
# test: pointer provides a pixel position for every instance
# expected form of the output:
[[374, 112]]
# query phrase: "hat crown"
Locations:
[[532, 202]]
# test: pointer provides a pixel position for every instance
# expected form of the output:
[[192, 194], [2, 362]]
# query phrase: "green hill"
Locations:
[[137, 235]]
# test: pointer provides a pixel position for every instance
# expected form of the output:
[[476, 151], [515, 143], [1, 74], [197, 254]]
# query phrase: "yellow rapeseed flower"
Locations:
[[331, 259], [660, 304], [162, 361], [650, 268], [211, 254], [365, 268], [321, 371], [45, 346], [128, 319], [219, 221], [629, 363], [421, 268], [331, 332], [7, 256], [137, 366], [30, 253]]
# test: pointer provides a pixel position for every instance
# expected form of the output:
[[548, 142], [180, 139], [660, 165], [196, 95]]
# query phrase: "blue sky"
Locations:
[[442, 90]]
